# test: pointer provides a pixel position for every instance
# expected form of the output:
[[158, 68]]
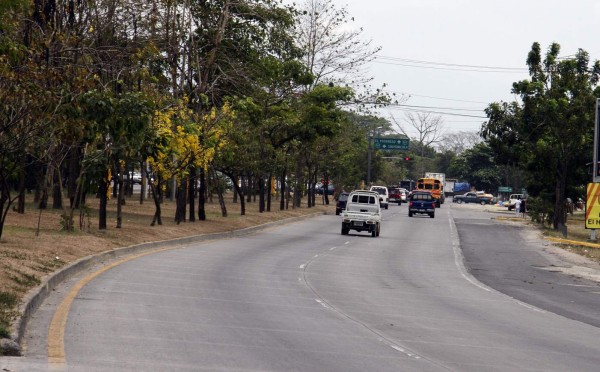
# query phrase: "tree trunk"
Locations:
[[46, 184], [325, 188], [202, 196], [120, 196], [21, 197], [261, 194], [74, 173], [559, 217], [250, 188], [103, 195], [283, 191], [240, 190], [157, 200], [268, 190], [192, 194], [181, 199], [5, 202]]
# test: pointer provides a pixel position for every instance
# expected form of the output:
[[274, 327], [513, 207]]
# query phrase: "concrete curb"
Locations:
[[36, 296]]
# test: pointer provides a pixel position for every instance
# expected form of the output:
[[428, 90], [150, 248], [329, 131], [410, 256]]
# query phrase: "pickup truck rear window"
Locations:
[[422, 197], [363, 199]]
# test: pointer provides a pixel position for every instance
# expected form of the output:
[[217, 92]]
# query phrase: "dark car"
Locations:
[[421, 202], [340, 205]]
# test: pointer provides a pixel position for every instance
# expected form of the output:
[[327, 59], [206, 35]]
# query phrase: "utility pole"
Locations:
[[369, 153], [595, 167], [369, 160]]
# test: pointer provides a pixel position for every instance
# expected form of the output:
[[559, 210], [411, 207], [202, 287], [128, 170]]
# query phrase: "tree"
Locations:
[[457, 142], [429, 129], [334, 53], [549, 135], [477, 165]]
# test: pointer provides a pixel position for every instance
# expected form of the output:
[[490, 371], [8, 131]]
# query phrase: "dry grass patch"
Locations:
[[576, 231]]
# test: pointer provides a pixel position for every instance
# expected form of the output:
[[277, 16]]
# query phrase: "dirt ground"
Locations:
[[33, 245]]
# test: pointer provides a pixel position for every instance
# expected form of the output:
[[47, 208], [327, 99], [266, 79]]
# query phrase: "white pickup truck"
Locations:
[[363, 213]]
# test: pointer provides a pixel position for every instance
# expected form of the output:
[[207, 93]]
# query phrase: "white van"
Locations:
[[383, 195], [513, 200]]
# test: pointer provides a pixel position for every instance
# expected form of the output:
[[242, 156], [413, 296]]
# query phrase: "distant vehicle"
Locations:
[[363, 213], [434, 186], [461, 188], [396, 195], [384, 194], [409, 185], [442, 178], [136, 177], [421, 202], [472, 197], [330, 189], [513, 200], [340, 205], [449, 187]]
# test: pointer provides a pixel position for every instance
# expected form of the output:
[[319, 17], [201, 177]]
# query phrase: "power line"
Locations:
[[408, 109], [447, 66], [439, 98], [438, 108]]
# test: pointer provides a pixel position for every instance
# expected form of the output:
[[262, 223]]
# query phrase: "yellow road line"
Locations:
[[574, 242], [56, 332]]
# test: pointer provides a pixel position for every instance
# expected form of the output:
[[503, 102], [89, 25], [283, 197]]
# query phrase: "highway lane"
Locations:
[[304, 297]]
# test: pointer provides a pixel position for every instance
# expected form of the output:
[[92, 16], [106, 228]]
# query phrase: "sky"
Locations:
[[428, 44]]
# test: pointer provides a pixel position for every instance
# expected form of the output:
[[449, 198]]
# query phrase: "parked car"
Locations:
[[330, 189], [136, 177], [513, 200], [472, 197], [340, 205]]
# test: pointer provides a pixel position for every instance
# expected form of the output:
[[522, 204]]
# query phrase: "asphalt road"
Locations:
[[304, 297], [514, 261]]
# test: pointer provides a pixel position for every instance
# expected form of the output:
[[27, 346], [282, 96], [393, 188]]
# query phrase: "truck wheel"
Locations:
[[345, 230], [374, 232], [337, 213], [378, 229], [483, 202], [432, 215], [386, 206], [399, 203], [409, 214], [459, 201]]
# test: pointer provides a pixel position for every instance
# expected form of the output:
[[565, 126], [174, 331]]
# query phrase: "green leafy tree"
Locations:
[[549, 135], [477, 166]]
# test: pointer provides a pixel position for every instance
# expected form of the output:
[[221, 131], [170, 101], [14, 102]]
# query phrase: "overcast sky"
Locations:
[[422, 40]]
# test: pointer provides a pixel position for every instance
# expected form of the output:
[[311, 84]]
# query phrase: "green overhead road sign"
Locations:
[[391, 143], [505, 189]]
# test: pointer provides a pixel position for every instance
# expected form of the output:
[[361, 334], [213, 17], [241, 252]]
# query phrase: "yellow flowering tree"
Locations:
[[184, 143]]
